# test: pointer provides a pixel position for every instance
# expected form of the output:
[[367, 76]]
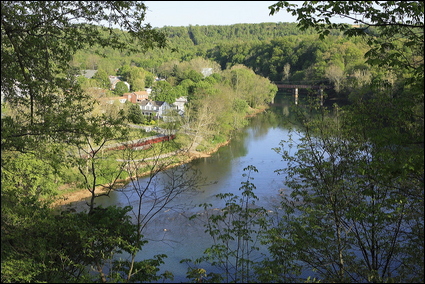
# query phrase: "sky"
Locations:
[[202, 13]]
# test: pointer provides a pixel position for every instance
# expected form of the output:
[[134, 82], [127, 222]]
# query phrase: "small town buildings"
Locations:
[[114, 80], [155, 109]]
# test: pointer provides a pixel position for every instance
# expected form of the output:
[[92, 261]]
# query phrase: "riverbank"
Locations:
[[73, 200], [78, 195]]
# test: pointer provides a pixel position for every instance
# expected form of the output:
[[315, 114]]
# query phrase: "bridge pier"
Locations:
[[295, 87], [296, 95]]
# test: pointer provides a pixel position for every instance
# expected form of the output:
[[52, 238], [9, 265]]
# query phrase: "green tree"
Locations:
[[149, 79], [383, 24], [102, 78], [135, 114], [64, 248], [193, 75], [121, 88], [175, 93], [335, 75], [342, 202], [35, 64], [124, 72], [254, 89], [136, 78], [49, 108], [161, 91], [235, 231], [87, 84], [355, 182]]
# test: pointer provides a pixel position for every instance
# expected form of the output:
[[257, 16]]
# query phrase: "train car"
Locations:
[[139, 145]]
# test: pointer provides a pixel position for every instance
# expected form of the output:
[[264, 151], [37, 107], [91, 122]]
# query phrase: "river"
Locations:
[[171, 233]]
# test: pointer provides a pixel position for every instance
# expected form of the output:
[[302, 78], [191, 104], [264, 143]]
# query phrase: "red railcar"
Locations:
[[141, 143]]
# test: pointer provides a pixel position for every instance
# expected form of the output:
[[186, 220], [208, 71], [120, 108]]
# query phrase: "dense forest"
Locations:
[[356, 179], [277, 51]]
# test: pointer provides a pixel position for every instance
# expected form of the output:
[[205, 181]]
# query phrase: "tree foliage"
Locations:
[[38, 41], [49, 114], [71, 247], [135, 114], [102, 78], [385, 24], [121, 88], [235, 231], [136, 78], [355, 178], [354, 213], [161, 91]]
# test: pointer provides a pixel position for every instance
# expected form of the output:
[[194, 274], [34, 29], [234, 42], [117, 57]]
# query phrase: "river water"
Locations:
[[171, 233]]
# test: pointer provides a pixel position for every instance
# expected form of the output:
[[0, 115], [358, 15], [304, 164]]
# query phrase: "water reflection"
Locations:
[[171, 232]]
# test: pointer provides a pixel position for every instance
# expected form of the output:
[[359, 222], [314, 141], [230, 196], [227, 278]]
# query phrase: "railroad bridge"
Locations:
[[320, 86]]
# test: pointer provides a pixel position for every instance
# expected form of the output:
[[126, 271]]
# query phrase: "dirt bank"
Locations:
[[73, 199]]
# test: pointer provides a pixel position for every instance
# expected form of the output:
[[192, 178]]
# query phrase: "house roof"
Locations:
[[181, 99], [114, 79], [154, 103], [89, 73], [141, 93], [138, 93]]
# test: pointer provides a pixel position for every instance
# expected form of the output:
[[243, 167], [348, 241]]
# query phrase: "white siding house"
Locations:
[[179, 104], [154, 108]]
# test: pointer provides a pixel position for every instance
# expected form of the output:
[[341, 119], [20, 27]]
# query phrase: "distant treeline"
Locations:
[[213, 34], [277, 51]]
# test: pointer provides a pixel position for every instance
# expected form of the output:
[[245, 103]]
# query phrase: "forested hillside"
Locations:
[[277, 51], [196, 40], [212, 34]]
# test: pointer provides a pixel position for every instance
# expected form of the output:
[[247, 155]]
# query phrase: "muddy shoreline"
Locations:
[[73, 200]]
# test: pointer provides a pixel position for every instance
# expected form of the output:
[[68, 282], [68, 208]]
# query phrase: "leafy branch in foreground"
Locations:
[[235, 231], [39, 39]]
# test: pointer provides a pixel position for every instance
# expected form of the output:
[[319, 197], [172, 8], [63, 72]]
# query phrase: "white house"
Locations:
[[179, 104], [154, 108]]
